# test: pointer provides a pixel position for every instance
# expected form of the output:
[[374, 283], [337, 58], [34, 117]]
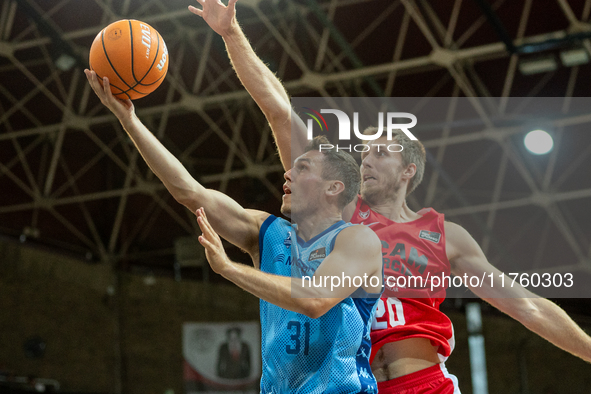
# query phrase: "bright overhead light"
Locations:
[[574, 57], [542, 64], [65, 62], [538, 142]]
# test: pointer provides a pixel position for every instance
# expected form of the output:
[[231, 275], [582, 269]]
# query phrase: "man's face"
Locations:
[[381, 172], [286, 199], [233, 336], [303, 185]]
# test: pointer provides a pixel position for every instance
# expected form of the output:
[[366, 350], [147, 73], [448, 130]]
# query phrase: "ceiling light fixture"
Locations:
[[574, 57], [538, 142], [541, 64]]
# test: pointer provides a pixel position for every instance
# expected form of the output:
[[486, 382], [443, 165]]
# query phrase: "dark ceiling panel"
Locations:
[[67, 168]]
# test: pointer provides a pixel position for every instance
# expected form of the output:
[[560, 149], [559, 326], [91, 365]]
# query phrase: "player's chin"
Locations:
[[286, 209], [286, 205], [365, 191], [369, 193]]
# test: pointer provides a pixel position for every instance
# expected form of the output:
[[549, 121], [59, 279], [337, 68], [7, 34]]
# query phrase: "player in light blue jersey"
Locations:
[[315, 339], [295, 346]]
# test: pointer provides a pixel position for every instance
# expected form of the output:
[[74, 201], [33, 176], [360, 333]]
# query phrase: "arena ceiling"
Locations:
[[71, 180]]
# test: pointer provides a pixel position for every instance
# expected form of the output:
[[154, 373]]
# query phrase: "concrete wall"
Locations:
[[66, 303], [89, 332]]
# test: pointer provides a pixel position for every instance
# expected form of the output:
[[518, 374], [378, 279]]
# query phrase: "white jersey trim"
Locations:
[[452, 345], [451, 377]]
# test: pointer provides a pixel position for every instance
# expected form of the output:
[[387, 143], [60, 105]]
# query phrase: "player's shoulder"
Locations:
[[458, 241], [358, 234], [258, 216], [454, 232]]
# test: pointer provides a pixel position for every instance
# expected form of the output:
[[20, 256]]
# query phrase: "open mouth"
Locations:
[[368, 178], [286, 189]]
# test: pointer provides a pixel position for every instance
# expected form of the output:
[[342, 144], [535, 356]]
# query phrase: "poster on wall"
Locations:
[[221, 357]]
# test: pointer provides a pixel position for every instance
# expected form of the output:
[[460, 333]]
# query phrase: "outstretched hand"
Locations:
[[214, 250], [121, 108], [218, 16]]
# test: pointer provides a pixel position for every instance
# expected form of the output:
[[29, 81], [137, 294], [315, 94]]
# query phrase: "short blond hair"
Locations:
[[339, 166], [412, 152]]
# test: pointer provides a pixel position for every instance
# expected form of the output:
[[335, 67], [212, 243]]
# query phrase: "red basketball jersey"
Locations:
[[414, 249]]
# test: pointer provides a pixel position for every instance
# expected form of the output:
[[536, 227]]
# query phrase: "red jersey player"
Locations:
[[411, 336]]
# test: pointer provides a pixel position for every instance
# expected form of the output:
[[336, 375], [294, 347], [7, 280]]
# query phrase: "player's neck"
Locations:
[[396, 210], [312, 225]]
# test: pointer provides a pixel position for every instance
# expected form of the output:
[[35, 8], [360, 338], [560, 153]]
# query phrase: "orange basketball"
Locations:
[[133, 55]]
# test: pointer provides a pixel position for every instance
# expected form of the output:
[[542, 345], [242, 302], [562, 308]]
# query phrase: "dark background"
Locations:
[[88, 234]]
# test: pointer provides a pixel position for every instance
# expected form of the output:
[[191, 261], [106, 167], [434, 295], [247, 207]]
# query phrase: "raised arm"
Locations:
[[357, 252], [262, 84], [233, 222], [538, 314]]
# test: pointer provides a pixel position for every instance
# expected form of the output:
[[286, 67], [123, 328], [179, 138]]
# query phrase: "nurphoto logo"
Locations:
[[392, 120]]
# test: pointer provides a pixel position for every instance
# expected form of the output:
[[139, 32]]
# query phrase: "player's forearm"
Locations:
[[277, 290], [553, 324], [181, 185], [264, 86], [269, 94]]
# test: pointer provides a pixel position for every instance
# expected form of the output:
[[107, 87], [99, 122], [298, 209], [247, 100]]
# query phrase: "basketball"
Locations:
[[133, 55]]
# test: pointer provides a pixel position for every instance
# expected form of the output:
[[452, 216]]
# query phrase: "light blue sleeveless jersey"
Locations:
[[302, 355]]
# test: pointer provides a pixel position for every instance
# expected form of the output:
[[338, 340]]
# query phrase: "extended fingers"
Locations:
[[205, 242], [91, 76], [95, 85], [100, 90], [106, 86], [201, 220], [204, 224], [196, 11]]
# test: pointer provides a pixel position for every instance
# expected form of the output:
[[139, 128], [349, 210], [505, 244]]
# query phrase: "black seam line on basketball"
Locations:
[[101, 78], [153, 61], [143, 84], [128, 85], [125, 92], [133, 89], [115, 86], [109, 60], [150, 84], [131, 38], [98, 77], [112, 85]]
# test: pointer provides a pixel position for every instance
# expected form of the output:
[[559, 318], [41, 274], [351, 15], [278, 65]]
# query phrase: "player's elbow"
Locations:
[[279, 113], [313, 313], [314, 307], [528, 313], [186, 198], [189, 196]]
